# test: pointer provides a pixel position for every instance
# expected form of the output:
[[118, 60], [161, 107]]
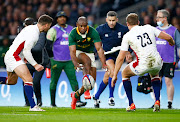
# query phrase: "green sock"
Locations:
[[78, 94]]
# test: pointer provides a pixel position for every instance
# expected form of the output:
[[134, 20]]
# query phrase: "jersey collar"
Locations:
[[83, 35]]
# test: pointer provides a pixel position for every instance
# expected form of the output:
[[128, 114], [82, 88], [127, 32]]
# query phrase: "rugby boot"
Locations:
[[157, 106], [74, 100], [87, 95], [131, 108]]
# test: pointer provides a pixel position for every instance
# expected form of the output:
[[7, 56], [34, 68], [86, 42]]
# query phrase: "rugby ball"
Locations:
[[88, 82]]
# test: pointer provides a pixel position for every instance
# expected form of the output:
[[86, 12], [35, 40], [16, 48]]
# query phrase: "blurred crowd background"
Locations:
[[13, 13]]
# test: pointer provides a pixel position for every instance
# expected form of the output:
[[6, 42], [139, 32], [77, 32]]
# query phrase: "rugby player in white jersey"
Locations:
[[142, 40], [20, 51]]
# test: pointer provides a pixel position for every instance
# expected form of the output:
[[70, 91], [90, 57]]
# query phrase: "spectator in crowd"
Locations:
[[161, 4], [58, 36], [167, 52], [3, 49], [10, 10]]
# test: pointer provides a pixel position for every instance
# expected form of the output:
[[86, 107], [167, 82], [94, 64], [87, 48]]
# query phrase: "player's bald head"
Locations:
[[82, 19], [82, 24]]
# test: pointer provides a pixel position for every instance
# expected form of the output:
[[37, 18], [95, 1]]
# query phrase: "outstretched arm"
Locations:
[[167, 37]]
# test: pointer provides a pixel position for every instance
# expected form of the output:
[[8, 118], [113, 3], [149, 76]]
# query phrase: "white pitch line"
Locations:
[[21, 114]]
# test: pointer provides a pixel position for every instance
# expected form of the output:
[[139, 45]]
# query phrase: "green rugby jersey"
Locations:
[[84, 44]]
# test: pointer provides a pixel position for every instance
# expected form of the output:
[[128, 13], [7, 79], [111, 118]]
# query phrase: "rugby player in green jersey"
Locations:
[[82, 41]]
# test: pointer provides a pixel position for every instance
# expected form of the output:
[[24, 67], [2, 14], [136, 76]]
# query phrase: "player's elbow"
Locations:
[[26, 52]]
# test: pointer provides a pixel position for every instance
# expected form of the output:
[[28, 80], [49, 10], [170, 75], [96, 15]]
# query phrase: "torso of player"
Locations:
[[142, 40], [111, 37], [29, 34], [85, 44]]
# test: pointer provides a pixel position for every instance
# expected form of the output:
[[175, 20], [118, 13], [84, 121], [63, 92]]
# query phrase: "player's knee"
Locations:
[[111, 73], [169, 84]]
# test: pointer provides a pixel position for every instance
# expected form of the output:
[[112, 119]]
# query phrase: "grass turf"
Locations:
[[87, 114]]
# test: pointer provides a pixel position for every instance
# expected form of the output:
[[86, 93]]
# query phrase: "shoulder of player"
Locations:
[[73, 31], [32, 30]]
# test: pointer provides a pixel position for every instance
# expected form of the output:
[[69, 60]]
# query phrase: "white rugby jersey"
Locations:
[[142, 41], [23, 43]]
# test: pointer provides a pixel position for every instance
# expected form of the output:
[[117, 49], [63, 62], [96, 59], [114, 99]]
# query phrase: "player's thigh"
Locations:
[[23, 72], [127, 72], [111, 66], [12, 78], [84, 59]]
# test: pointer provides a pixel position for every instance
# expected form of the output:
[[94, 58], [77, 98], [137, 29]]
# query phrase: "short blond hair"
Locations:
[[132, 19]]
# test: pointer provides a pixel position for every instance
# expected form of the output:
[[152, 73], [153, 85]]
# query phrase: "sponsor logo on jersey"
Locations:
[[88, 39], [119, 34], [161, 42], [64, 43], [106, 35]]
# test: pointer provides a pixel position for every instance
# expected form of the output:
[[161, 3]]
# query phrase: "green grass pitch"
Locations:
[[22, 114]]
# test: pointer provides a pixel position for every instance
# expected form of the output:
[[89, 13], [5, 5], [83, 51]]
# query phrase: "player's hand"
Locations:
[[114, 79], [170, 44], [38, 67], [104, 66], [129, 57], [79, 67]]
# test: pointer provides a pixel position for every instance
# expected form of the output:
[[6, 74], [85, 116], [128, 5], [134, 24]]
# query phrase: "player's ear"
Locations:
[[138, 22], [127, 23], [117, 19], [106, 19]]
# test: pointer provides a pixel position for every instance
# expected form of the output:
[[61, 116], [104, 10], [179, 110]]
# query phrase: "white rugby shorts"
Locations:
[[11, 63], [143, 68], [90, 55]]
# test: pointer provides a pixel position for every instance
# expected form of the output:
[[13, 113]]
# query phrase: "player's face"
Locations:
[[111, 21], [46, 27], [82, 26], [61, 20]]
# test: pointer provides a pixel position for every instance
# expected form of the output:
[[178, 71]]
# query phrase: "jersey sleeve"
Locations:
[[71, 38], [95, 36], [51, 34], [156, 31], [124, 43], [30, 41]]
